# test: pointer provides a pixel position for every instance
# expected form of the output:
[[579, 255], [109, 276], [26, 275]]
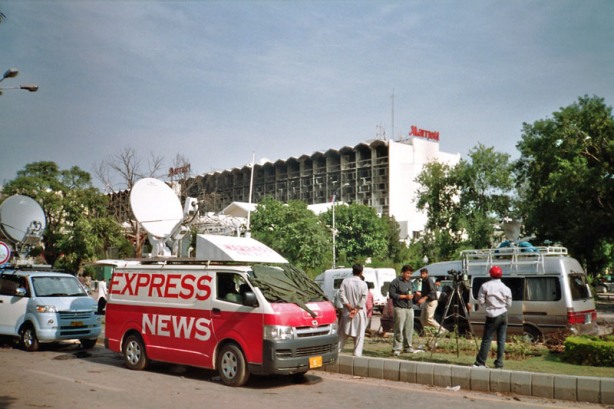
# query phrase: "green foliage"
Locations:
[[585, 350], [464, 202], [566, 179], [361, 233], [78, 228], [295, 232]]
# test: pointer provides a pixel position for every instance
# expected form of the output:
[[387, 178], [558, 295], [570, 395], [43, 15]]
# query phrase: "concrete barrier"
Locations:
[[564, 387]]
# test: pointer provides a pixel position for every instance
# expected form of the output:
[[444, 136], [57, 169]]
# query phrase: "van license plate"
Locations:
[[315, 362], [76, 324]]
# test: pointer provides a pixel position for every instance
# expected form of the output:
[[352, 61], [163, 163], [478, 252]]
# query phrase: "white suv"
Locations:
[[44, 306]]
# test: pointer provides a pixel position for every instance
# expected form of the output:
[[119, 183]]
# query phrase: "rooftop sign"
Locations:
[[423, 133]]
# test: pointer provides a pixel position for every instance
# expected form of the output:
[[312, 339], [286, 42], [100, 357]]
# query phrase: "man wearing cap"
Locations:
[[498, 298]]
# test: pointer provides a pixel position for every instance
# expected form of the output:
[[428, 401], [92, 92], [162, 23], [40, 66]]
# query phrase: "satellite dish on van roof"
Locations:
[[22, 219], [156, 207]]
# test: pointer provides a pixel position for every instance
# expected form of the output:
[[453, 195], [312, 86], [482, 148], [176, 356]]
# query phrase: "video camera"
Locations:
[[457, 277]]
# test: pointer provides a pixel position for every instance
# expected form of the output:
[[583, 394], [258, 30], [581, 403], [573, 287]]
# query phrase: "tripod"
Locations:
[[455, 298]]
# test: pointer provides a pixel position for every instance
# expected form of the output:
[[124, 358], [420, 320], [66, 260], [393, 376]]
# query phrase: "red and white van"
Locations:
[[230, 309]]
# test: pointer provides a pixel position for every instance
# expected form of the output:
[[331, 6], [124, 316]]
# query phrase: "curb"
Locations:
[[564, 387]]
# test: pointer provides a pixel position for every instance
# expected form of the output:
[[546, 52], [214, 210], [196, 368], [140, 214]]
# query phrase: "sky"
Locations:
[[220, 82]]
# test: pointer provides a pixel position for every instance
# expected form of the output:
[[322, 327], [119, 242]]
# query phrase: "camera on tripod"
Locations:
[[457, 277]]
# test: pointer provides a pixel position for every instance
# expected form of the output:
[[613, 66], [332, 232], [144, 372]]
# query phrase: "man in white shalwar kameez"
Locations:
[[353, 321]]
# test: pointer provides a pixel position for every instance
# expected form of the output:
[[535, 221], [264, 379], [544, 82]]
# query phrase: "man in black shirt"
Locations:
[[401, 295], [428, 301]]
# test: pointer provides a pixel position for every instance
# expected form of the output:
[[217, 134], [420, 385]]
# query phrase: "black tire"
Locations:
[[231, 366], [29, 340], [88, 343], [531, 334], [134, 353]]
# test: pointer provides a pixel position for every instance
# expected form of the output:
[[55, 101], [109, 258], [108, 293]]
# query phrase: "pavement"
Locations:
[[455, 377]]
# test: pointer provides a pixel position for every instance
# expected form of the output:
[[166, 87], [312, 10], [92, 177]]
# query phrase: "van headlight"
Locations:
[[45, 308], [278, 332], [333, 328]]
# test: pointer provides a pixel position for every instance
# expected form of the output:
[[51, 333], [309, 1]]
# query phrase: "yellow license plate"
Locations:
[[315, 362], [76, 324]]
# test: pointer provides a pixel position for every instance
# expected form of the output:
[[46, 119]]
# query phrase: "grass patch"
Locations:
[[519, 355]]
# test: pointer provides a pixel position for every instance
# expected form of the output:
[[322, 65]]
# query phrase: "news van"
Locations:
[[238, 307], [550, 291], [330, 282]]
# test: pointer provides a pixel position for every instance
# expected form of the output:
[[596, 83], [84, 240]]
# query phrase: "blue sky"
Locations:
[[218, 81]]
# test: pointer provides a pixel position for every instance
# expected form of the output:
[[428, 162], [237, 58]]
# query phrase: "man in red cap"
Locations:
[[498, 298]]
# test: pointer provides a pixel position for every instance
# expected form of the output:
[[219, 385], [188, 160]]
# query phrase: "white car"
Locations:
[[45, 306]]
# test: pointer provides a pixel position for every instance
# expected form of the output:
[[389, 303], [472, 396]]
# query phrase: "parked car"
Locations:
[[38, 306]]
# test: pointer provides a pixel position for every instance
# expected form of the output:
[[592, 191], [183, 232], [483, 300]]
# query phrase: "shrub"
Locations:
[[589, 350]]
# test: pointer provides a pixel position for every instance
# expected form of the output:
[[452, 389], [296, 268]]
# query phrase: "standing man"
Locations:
[[498, 298], [428, 302], [353, 295], [403, 316]]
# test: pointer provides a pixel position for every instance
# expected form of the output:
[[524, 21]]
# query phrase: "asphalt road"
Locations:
[[64, 376]]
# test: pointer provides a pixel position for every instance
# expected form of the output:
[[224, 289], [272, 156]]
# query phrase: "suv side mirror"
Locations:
[[20, 292]]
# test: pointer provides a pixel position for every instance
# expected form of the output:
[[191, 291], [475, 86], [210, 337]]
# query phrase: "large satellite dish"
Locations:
[[22, 220], [158, 209]]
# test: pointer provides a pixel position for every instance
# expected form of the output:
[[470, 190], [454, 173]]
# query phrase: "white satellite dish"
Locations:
[[158, 209], [22, 220]]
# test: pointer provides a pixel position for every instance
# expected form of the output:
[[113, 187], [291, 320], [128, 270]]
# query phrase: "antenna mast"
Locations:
[[392, 114]]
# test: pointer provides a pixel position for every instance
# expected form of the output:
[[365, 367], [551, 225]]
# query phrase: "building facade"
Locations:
[[378, 173]]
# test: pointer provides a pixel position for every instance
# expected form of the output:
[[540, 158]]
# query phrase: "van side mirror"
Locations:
[[20, 292], [249, 299]]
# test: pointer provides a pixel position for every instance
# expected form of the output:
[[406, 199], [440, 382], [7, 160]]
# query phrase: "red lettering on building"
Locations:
[[422, 133]]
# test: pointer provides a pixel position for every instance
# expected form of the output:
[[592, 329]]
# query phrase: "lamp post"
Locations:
[[12, 73], [334, 228]]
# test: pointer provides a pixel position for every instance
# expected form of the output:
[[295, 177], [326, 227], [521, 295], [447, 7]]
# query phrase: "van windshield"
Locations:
[[286, 283], [57, 287], [578, 287]]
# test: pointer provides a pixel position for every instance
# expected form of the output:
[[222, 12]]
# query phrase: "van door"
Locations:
[[231, 320], [12, 307], [514, 313]]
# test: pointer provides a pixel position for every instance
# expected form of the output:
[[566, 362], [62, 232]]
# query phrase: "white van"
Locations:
[[330, 282], [550, 292], [43, 306]]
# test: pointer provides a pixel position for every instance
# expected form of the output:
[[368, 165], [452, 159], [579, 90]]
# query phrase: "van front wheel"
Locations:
[[134, 353], [231, 366], [29, 341]]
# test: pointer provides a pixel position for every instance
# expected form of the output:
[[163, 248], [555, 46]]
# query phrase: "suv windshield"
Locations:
[[57, 287]]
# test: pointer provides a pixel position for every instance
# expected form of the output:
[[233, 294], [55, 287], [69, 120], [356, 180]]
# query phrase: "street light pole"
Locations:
[[334, 228], [12, 73]]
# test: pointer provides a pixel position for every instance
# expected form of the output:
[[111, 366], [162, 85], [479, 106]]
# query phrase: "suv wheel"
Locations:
[[29, 341]]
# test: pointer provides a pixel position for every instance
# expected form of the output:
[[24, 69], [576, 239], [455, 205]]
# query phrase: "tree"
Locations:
[[464, 203], [361, 233], [294, 231], [122, 170], [438, 196], [78, 228], [485, 184], [566, 180]]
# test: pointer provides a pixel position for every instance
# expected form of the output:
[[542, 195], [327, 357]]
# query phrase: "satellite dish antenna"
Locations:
[[158, 209], [22, 221]]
